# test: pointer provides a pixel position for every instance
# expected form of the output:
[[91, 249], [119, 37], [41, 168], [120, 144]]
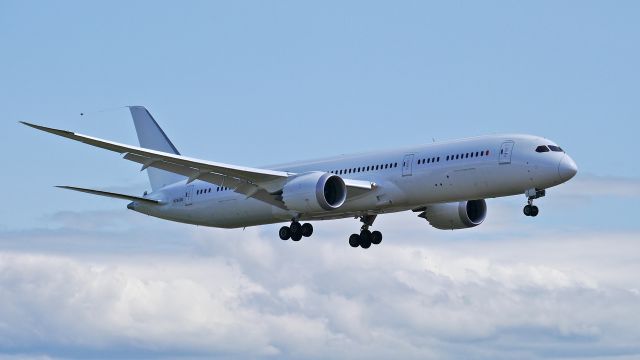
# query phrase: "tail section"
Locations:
[[151, 136]]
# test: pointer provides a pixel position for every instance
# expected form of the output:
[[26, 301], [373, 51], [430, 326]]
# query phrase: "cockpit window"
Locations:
[[555, 148], [542, 148]]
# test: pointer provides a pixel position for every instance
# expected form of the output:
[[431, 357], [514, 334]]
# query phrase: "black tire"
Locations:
[[365, 244], [306, 229], [376, 237], [354, 240], [296, 237], [527, 210], [534, 211], [296, 228], [285, 233], [365, 236]]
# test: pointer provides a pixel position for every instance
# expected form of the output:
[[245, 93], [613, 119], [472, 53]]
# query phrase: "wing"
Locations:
[[261, 184]]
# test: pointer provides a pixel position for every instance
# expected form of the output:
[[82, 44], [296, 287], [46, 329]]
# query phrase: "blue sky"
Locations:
[[256, 83], [266, 82]]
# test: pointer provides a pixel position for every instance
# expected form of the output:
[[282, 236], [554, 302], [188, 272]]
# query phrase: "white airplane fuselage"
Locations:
[[405, 179]]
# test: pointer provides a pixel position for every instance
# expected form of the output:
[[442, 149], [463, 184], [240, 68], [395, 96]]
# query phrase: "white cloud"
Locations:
[[593, 185], [236, 293]]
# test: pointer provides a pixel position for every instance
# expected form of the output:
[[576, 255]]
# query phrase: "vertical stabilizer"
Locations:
[[151, 136]]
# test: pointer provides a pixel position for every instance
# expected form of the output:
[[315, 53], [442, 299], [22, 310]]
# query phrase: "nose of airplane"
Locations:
[[567, 168]]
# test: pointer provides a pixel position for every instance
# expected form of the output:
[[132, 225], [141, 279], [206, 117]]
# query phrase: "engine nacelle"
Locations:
[[451, 216], [314, 192]]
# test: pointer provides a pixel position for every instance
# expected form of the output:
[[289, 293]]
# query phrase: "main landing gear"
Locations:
[[532, 194], [296, 231], [366, 237]]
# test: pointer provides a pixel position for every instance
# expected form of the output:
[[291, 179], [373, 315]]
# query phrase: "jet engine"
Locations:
[[458, 215], [314, 192]]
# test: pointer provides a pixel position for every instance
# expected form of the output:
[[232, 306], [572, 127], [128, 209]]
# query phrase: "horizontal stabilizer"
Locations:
[[111, 194]]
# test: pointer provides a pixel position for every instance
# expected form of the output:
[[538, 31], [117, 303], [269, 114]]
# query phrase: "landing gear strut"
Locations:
[[295, 231], [366, 237], [532, 194]]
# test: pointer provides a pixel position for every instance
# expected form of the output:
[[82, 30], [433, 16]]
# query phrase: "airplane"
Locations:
[[446, 182]]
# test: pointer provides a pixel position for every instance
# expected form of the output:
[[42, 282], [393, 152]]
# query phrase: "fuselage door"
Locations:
[[505, 152], [407, 165], [188, 195]]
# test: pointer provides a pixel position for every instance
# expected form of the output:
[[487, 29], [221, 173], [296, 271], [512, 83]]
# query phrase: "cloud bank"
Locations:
[[138, 287]]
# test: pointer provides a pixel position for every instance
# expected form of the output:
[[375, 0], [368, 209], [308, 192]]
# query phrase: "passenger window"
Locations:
[[542, 149]]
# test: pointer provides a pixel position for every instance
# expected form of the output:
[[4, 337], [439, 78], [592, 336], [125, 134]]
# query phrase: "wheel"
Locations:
[[354, 240], [527, 210], [307, 229], [365, 243], [534, 211], [365, 236], [376, 237], [285, 233], [296, 236], [296, 228]]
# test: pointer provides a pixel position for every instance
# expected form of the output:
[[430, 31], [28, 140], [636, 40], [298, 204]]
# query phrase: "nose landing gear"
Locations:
[[530, 210], [532, 194]]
